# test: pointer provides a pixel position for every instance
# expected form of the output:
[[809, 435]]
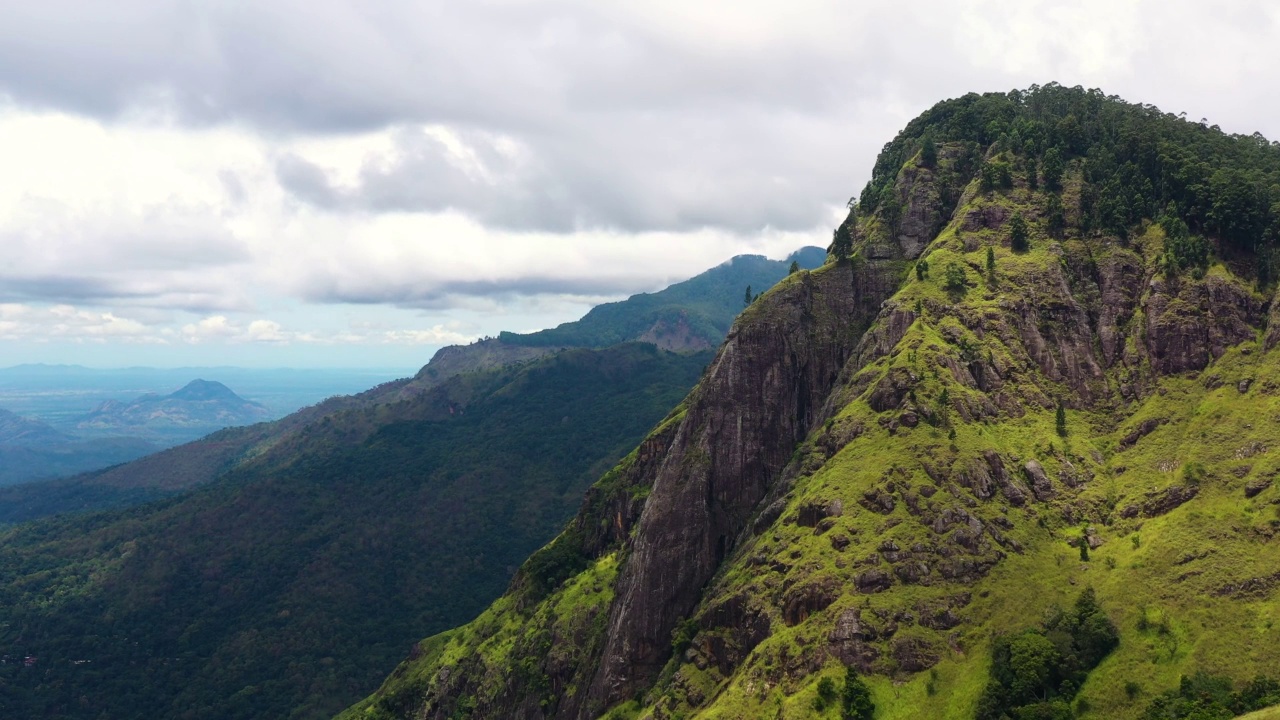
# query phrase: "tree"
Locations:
[[1018, 233], [954, 278], [1053, 169], [922, 269], [826, 694], [1033, 658], [795, 267], [746, 299], [1084, 548], [841, 245], [1054, 214], [1032, 181], [928, 151], [995, 174], [1061, 420], [856, 699], [991, 261]]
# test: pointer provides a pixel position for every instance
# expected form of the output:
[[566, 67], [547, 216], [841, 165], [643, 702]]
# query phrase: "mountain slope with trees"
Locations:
[[1010, 453], [286, 589]]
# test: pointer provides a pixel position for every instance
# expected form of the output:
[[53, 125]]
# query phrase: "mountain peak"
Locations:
[[197, 390]]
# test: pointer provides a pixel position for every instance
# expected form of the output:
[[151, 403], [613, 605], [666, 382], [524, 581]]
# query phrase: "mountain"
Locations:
[[331, 539], [1010, 453], [115, 432], [200, 403], [32, 450], [707, 301], [687, 316], [17, 430], [333, 551]]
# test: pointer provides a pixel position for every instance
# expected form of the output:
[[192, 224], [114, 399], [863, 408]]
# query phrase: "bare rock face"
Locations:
[[760, 398], [914, 654], [1120, 279], [1014, 491], [1273, 324], [1190, 324], [804, 600], [923, 211], [849, 640], [1145, 428], [1040, 483], [1162, 501], [1257, 487]]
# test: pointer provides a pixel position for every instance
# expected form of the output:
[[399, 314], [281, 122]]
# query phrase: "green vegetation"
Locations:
[[1036, 673], [706, 304], [1134, 161], [1018, 233], [1208, 697], [290, 590], [841, 244], [855, 700]]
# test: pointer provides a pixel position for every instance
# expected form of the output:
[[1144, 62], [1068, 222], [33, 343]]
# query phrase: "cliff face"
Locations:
[[760, 398], [871, 474]]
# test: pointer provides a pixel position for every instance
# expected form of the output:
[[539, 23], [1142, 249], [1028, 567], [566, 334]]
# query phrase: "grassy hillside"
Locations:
[[287, 589], [1082, 355]]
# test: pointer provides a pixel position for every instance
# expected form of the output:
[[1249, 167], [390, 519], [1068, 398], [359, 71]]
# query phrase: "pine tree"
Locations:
[[795, 267], [841, 245], [991, 261], [746, 299], [1053, 169], [1018, 233], [1054, 214], [1061, 420], [928, 151]]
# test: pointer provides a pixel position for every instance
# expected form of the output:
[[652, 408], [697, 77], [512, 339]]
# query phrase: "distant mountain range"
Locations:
[[691, 315], [18, 430], [118, 431], [201, 403]]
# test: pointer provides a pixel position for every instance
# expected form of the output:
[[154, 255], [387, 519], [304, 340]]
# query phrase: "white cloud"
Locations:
[[278, 165]]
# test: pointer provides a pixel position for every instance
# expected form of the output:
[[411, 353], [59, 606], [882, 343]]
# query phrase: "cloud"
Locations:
[[65, 322], [282, 162]]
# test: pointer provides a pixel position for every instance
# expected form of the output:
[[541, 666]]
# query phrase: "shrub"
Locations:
[[954, 278], [856, 699]]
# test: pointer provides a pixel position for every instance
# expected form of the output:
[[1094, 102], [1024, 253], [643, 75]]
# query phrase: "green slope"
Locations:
[[288, 588], [940, 504]]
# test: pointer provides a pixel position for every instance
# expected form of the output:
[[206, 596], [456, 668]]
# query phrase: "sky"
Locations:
[[273, 183]]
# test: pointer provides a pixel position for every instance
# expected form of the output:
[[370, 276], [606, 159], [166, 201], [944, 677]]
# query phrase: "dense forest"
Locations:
[[1136, 162]]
